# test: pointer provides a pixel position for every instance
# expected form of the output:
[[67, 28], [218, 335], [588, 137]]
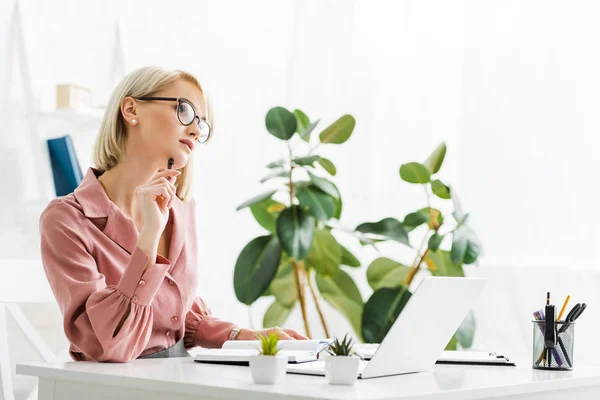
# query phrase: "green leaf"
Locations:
[[266, 213], [440, 264], [325, 254], [302, 121], [460, 242], [276, 315], [434, 241], [473, 248], [256, 199], [435, 160], [255, 268], [277, 173], [424, 215], [339, 284], [440, 190], [283, 286], [415, 219], [348, 258], [324, 185], [466, 331], [295, 231], [452, 344], [384, 272], [339, 131], [281, 123], [327, 165], [380, 312], [305, 135], [309, 160], [338, 202], [341, 292], [390, 228], [316, 202], [459, 214], [414, 173], [277, 164]]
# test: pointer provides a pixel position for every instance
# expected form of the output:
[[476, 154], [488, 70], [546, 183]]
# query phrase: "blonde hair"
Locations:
[[110, 145]]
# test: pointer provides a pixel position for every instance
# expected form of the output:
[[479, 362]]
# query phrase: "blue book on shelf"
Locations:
[[65, 166]]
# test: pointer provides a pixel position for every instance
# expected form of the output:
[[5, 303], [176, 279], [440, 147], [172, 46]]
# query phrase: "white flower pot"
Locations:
[[341, 370], [268, 369]]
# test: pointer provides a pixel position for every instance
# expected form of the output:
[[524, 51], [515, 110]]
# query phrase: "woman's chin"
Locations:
[[180, 160]]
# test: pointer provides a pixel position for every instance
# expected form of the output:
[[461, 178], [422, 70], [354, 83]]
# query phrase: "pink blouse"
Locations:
[[114, 310]]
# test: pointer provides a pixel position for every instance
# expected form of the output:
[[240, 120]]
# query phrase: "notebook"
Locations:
[[366, 351], [238, 352], [473, 358]]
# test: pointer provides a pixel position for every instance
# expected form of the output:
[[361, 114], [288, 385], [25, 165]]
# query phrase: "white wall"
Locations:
[[510, 86]]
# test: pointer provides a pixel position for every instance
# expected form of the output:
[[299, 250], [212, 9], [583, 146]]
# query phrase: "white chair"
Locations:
[[21, 281]]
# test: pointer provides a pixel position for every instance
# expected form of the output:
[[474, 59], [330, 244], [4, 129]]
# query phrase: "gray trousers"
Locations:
[[177, 350]]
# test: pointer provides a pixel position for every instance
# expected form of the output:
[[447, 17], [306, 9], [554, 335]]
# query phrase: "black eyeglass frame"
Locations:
[[180, 100]]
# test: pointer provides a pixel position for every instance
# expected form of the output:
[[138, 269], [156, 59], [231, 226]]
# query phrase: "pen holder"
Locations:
[[561, 356]]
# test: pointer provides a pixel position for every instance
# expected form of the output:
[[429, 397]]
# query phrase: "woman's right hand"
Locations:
[[154, 200]]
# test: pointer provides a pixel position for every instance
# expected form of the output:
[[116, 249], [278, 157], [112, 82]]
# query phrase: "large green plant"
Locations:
[[391, 279], [298, 214]]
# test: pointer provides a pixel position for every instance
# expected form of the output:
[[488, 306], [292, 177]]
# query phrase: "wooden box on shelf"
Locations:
[[73, 96]]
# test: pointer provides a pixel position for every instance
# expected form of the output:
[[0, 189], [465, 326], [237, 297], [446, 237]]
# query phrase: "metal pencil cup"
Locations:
[[560, 357]]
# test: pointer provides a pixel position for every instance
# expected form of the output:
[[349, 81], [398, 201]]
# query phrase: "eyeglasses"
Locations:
[[186, 114]]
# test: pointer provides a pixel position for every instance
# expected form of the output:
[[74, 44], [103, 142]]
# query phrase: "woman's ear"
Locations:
[[129, 111]]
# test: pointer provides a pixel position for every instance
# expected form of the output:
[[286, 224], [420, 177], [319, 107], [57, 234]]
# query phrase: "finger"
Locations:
[[283, 335], [173, 192], [295, 335], [161, 181], [168, 173], [159, 191]]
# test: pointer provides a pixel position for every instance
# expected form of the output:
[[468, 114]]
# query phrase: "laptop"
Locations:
[[421, 332]]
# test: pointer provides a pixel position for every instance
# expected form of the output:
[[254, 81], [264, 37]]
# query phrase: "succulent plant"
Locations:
[[269, 344], [343, 348]]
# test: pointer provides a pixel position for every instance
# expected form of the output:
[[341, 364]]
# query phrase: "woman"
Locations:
[[120, 252]]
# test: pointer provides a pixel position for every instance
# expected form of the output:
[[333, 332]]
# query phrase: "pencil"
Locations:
[[562, 310]]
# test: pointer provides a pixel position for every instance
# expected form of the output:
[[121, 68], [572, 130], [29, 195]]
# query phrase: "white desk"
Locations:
[[182, 378]]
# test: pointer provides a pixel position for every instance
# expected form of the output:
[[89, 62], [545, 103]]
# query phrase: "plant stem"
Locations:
[[412, 272], [298, 281], [418, 260], [292, 188], [316, 299], [250, 317], [311, 151], [427, 195], [300, 292]]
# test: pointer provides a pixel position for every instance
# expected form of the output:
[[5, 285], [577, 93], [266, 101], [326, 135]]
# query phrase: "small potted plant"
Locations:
[[268, 367], [341, 368]]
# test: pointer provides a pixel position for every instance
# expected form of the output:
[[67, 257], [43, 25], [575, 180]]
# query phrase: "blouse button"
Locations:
[[171, 281], [142, 282], [134, 299], [168, 333], [174, 319]]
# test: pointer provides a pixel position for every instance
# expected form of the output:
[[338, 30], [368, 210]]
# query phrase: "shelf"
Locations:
[[92, 115], [72, 121]]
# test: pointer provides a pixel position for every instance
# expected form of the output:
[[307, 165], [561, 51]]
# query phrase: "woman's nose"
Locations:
[[194, 132]]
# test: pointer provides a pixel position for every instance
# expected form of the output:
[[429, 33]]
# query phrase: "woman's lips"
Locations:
[[188, 143]]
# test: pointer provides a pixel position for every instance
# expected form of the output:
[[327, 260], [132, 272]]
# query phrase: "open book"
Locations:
[[240, 351]]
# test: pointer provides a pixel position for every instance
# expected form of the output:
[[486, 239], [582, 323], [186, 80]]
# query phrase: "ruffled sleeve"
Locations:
[[106, 323], [203, 329]]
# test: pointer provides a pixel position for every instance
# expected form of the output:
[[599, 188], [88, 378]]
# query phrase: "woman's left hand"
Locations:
[[284, 334]]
